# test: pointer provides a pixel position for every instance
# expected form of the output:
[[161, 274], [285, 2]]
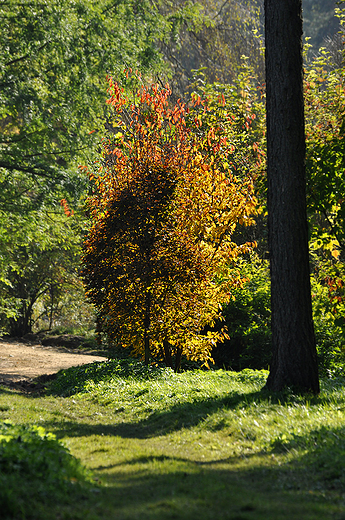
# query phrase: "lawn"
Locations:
[[158, 445]]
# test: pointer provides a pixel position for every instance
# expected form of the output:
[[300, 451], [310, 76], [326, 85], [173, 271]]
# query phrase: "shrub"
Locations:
[[248, 320], [34, 468]]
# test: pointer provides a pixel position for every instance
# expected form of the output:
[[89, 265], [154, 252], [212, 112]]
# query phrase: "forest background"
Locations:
[[53, 66]]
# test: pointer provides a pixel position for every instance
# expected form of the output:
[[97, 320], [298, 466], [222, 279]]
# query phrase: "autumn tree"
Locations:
[[294, 360], [164, 208]]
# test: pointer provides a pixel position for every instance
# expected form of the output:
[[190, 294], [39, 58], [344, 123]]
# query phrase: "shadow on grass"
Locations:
[[210, 494], [157, 488], [320, 453], [5, 390], [176, 417], [190, 414], [163, 487], [169, 488]]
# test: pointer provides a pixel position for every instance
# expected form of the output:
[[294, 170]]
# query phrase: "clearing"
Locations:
[[200, 445]]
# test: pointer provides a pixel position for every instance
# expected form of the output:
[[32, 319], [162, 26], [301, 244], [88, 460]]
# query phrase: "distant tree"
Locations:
[[319, 20], [215, 38], [165, 205], [294, 361], [41, 266]]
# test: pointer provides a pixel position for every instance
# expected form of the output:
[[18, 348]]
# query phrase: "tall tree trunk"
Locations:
[[294, 361], [21, 324]]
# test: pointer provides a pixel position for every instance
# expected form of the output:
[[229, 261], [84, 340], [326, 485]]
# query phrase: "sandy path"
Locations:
[[19, 361]]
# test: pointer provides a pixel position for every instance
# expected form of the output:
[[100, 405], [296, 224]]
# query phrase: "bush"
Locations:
[[34, 468], [330, 336], [248, 320]]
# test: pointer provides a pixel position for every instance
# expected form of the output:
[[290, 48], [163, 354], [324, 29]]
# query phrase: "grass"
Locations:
[[197, 445]]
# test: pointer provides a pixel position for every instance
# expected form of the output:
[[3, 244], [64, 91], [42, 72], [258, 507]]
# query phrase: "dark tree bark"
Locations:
[[294, 362], [167, 354], [147, 323]]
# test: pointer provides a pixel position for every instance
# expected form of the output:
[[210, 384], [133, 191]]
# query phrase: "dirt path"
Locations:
[[23, 362]]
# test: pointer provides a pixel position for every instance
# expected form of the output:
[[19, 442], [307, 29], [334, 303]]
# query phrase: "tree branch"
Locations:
[[24, 169], [21, 58]]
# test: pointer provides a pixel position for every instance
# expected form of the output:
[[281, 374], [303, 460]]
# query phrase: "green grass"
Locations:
[[197, 445]]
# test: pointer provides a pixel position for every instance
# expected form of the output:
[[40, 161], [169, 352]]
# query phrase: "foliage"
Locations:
[[247, 317], [39, 260], [244, 99], [35, 468], [325, 108], [54, 57], [329, 329], [166, 202]]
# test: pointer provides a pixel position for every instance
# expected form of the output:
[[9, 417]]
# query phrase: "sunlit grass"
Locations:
[[200, 444]]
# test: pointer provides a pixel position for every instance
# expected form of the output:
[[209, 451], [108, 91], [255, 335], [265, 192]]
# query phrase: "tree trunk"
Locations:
[[294, 362], [178, 358], [21, 324], [167, 354], [147, 323], [51, 314]]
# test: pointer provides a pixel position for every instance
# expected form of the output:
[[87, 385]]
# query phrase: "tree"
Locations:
[[39, 260], [165, 205], [215, 38], [294, 361], [54, 57], [319, 20]]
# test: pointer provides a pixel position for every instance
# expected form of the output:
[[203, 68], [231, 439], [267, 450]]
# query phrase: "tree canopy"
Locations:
[[54, 57], [53, 62]]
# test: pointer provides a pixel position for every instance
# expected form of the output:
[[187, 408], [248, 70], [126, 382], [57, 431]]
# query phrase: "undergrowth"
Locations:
[[78, 379], [35, 469]]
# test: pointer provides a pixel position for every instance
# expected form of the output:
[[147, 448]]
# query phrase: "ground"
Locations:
[[21, 362]]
